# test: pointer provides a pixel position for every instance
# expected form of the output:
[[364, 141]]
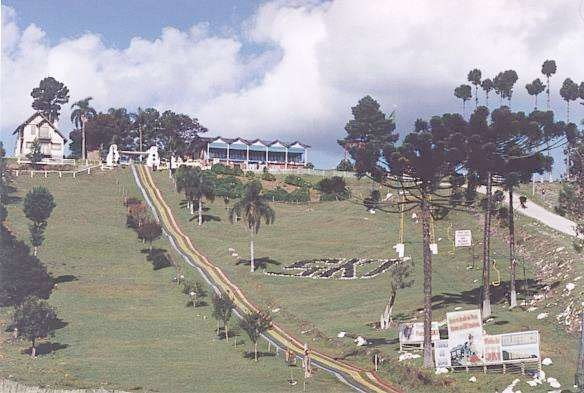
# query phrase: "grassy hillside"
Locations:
[[317, 310], [126, 325]]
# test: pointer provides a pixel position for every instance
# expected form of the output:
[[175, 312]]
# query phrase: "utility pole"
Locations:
[[140, 129]]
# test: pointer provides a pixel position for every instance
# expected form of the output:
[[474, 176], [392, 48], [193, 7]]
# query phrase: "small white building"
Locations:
[[39, 127]]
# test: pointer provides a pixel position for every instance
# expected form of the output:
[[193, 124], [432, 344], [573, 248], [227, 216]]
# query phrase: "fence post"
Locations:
[[74, 175], [31, 174], [60, 174], [46, 174]]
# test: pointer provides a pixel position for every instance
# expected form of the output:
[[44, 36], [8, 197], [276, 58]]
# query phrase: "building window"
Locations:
[[33, 129]]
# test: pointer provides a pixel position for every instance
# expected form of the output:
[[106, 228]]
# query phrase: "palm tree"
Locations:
[[569, 92], [487, 86], [252, 207], [255, 325], [548, 68], [464, 92], [474, 77], [196, 185], [535, 88], [79, 116]]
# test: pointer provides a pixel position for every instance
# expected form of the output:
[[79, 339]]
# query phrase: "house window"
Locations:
[[33, 129]]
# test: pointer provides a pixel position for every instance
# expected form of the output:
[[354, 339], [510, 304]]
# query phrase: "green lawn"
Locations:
[[317, 310], [126, 325]]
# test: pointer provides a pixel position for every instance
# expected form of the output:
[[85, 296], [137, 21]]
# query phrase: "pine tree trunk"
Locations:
[[191, 207], [226, 331], [255, 350], [200, 212], [535, 108], [486, 306], [476, 96], [548, 93], [487, 99], [252, 261], [513, 293], [428, 358], [567, 111], [580, 371], [35, 250], [33, 349]]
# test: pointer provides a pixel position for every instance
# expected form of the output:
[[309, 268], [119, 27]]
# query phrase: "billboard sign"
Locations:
[[465, 337], [463, 238], [521, 346], [492, 350], [413, 333], [441, 354]]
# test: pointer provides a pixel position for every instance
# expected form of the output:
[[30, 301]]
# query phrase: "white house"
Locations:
[[39, 127]]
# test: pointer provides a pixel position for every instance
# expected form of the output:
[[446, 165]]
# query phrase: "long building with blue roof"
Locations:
[[258, 151]]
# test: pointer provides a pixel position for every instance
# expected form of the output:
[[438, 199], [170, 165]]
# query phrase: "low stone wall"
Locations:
[[7, 386]]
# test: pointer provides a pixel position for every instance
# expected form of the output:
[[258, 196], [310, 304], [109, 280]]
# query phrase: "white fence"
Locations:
[[308, 172], [52, 161]]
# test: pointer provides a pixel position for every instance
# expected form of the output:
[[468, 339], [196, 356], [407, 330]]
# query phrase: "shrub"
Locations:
[[132, 201], [278, 194], [297, 181], [220, 169], [333, 189], [345, 166], [299, 195], [267, 176], [249, 174]]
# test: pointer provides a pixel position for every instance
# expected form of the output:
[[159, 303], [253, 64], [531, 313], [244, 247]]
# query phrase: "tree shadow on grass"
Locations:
[[158, 257], [205, 217], [64, 278], [46, 348], [374, 342], [498, 294], [260, 263], [11, 199], [200, 303], [251, 355]]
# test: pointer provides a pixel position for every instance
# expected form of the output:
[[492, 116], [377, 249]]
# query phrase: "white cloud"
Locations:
[[310, 63]]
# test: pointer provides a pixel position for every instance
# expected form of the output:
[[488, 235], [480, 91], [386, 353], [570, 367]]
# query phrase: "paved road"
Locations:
[[357, 378], [541, 214]]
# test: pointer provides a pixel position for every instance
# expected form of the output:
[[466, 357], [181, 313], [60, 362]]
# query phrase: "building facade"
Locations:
[[256, 152], [39, 127]]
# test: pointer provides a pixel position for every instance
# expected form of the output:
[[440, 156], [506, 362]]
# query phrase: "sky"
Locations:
[[290, 70]]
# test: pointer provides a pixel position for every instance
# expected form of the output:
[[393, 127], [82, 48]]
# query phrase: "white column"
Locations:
[[247, 154], [286, 159], [305, 156], [208, 157], [266, 154], [227, 153]]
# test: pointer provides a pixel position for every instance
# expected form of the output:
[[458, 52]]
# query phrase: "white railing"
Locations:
[[50, 161], [309, 172]]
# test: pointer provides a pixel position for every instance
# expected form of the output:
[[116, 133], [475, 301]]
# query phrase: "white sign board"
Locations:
[[413, 333], [441, 354], [492, 350], [463, 238], [465, 337], [521, 346]]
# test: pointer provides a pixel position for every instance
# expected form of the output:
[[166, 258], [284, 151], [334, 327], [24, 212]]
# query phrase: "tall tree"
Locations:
[[255, 325], [81, 113], [149, 231], [474, 77], [464, 93], [34, 319], [548, 68], [21, 274], [569, 92], [49, 96], [429, 157], [4, 177], [535, 88], [222, 310], [503, 84], [252, 208], [197, 185], [38, 206], [487, 86]]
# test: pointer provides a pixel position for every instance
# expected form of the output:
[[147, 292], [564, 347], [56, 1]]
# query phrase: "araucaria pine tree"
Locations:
[[426, 167], [38, 206]]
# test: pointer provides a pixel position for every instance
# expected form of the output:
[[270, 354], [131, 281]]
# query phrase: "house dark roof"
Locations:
[[250, 142], [45, 120]]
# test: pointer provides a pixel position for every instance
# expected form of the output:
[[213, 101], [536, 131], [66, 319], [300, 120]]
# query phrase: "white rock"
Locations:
[[577, 278], [231, 250], [547, 361], [570, 286], [457, 308], [472, 379], [341, 334], [542, 315], [276, 309], [235, 255], [554, 383], [360, 341], [559, 249], [441, 370], [532, 383], [530, 309], [408, 355]]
